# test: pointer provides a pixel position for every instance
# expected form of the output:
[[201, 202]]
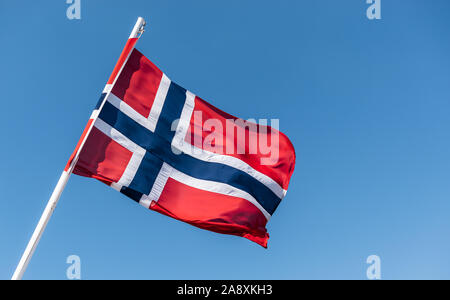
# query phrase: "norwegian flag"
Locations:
[[146, 139]]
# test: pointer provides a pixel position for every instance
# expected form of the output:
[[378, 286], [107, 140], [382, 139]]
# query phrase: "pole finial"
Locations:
[[139, 28]]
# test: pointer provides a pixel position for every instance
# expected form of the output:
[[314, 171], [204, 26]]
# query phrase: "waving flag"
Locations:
[[160, 145]]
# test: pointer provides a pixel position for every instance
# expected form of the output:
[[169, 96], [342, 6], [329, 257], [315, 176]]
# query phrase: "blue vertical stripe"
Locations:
[[171, 111]]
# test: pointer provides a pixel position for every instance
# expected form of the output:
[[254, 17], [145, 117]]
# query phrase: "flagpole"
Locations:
[[29, 250], [137, 31]]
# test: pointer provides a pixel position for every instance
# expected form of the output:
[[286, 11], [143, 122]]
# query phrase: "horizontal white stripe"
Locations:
[[129, 111], [158, 103], [216, 187], [158, 186], [118, 137], [232, 162]]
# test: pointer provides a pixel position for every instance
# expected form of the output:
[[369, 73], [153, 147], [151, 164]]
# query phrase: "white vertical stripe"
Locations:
[[158, 186], [131, 169], [185, 120], [158, 103], [138, 153]]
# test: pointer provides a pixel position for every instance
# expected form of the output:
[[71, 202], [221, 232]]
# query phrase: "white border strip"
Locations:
[[158, 186], [130, 171], [185, 121], [158, 103], [138, 153], [232, 162], [129, 111], [216, 187], [155, 111]]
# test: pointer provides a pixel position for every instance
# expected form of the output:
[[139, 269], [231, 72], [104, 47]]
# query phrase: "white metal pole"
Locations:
[[29, 250], [138, 28], [48, 211]]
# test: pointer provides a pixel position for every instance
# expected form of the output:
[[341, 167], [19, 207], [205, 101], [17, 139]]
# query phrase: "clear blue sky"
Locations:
[[365, 103]]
